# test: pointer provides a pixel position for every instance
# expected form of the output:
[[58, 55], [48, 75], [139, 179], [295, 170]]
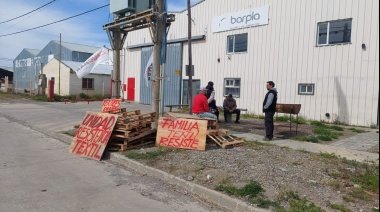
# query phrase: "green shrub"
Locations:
[[98, 97], [41, 98], [84, 96], [58, 98], [336, 128], [303, 205]]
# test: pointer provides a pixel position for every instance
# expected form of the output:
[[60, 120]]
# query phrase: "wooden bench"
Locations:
[[229, 115], [79, 100], [171, 106]]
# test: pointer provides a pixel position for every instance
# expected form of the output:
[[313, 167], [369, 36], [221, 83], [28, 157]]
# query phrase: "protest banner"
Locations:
[[111, 105], [182, 133], [93, 134]]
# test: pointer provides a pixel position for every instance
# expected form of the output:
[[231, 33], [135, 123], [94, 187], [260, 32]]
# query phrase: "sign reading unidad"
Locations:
[[182, 133], [93, 134]]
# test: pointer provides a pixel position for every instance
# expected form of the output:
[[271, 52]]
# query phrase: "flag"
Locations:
[[148, 70], [97, 58]]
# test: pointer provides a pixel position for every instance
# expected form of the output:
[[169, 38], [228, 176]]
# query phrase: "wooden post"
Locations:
[[190, 85], [30, 90]]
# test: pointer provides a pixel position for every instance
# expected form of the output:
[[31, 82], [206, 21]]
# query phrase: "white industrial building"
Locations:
[[322, 54]]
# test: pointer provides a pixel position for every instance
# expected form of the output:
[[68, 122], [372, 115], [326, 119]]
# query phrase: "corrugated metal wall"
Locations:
[[24, 69], [172, 82], [346, 77]]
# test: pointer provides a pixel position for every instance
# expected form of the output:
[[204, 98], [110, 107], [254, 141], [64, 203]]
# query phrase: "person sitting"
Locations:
[[229, 106], [211, 99], [200, 105]]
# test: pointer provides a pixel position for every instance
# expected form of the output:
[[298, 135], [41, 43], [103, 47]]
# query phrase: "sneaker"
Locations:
[[237, 122], [267, 139]]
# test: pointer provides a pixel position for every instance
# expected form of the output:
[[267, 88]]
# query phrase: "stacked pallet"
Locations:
[[132, 130], [212, 124]]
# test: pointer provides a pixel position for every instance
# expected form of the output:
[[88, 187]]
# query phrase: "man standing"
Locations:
[[200, 105], [269, 108], [229, 106]]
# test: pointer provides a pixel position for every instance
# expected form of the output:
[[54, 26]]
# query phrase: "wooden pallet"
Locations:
[[141, 139], [225, 141]]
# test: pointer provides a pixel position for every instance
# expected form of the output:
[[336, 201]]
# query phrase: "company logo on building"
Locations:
[[242, 19]]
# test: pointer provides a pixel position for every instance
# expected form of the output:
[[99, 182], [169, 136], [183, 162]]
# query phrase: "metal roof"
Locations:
[[34, 52], [100, 69], [78, 47]]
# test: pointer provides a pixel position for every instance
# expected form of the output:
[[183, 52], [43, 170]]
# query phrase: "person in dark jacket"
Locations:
[[269, 108], [230, 106], [211, 100]]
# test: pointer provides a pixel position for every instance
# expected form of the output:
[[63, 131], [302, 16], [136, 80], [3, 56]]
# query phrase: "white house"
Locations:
[[66, 81], [322, 54]]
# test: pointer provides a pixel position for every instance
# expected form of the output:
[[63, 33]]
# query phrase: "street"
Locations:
[[38, 173]]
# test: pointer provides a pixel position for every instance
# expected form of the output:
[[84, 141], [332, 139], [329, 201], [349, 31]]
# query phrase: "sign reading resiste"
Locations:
[[111, 105], [182, 133], [242, 19], [93, 134]]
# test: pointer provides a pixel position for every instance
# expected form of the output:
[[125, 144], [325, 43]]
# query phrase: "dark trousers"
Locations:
[[269, 124], [237, 111]]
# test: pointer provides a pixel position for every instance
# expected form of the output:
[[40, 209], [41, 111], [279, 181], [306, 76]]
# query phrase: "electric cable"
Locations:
[[54, 22], [28, 12]]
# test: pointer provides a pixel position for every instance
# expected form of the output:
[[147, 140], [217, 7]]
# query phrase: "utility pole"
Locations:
[[59, 65], [157, 80], [117, 47], [190, 85]]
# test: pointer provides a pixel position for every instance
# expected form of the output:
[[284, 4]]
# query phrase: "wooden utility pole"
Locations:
[[59, 64], [156, 82], [190, 85]]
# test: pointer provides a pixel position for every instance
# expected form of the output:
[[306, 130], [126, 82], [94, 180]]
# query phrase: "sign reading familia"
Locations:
[[111, 105], [243, 19], [93, 134], [182, 133]]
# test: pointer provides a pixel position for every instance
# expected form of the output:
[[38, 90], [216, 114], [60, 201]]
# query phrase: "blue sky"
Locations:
[[85, 29]]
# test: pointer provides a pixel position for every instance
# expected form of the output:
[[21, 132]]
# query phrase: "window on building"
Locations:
[[232, 86], [334, 32], [237, 43], [306, 89], [87, 84]]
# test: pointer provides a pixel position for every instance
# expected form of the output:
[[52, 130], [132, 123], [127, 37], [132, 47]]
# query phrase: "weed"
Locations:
[[318, 124], [84, 96], [40, 98], [327, 133], [297, 163], [299, 120], [341, 208], [348, 199], [374, 126], [311, 139], [98, 97], [252, 116], [370, 179], [375, 210], [147, 156], [256, 145], [359, 194], [358, 130], [328, 156], [172, 168], [69, 134], [265, 203], [303, 205], [287, 196], [324, 138], [77, 126], [335, 184], [336, 128], [251, 190]]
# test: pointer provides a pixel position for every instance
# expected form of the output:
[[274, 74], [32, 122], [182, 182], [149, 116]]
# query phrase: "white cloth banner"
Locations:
[[149, 70], [97, 58]]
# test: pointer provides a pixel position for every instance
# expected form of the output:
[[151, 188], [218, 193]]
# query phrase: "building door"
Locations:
[[172, 80], [196, 88], [131, 89]]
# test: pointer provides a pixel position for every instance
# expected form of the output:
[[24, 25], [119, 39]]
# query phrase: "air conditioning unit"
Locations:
[[123, 8]]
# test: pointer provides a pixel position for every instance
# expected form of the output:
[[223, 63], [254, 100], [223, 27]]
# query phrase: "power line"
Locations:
[[54, 22], [28, 12]]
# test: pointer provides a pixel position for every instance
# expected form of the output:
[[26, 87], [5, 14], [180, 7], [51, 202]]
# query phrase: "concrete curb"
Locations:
[[209, 195]]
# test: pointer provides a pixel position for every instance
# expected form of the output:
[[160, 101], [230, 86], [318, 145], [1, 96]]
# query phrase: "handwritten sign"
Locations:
[[111, 105], [182, 133], [93, 134]]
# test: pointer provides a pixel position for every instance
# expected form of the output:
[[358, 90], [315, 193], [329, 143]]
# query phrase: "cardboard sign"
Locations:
[[182, 133], [111, 105], [93, 134]]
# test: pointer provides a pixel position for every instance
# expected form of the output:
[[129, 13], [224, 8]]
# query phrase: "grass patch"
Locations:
[[311, 139], [147, 156], [303, 205], [336, 128], [369, 180], [40, 98], [358, 130], [328, 156], [299, 120], [256, 145], [358, 194], [340, 208], [252, 116], [327, 133], [288, 196], [318, 124], [251, 190]]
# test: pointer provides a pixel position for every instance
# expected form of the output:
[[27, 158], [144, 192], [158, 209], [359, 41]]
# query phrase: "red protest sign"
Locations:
[[93, 134], [182, 133], [111, 105]]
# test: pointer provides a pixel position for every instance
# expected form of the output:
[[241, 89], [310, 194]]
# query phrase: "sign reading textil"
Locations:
[[243, 19]]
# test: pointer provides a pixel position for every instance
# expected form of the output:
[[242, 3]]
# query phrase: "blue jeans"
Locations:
[[207, 115]]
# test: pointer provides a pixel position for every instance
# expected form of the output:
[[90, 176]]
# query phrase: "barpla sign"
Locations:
[[243, 19]]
